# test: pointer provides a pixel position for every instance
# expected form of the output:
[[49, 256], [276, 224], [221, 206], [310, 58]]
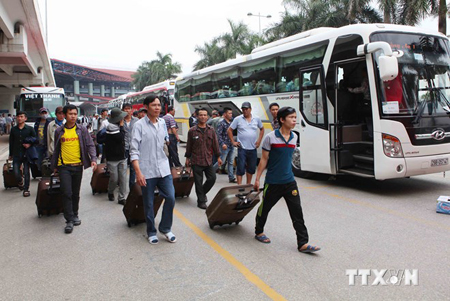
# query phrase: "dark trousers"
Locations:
[[272, 194], [70, 177], [17, 162], [201, 189], [132, 178], [174, 160]]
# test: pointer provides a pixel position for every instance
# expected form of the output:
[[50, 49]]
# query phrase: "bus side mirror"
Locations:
[[387, 62], [387, 67]]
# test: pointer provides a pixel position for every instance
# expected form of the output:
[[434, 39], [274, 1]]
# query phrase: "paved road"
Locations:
[[359, 223]]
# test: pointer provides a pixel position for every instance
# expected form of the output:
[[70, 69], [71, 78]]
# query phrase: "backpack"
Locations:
[[101, 136]]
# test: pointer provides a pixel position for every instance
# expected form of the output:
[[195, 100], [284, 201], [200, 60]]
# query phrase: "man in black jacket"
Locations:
[[115, 155], [40, 128], [17, 150]]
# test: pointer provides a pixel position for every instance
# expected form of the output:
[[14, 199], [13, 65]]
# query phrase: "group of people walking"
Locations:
[[149, 147]]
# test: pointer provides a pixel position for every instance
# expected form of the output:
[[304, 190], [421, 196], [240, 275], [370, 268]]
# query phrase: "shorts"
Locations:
[[246, 161]]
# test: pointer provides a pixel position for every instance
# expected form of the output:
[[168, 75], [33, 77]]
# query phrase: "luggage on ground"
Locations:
[[231, 205], [134, 206], [9, 180], [100, 179], [49, 196], [183, 180]]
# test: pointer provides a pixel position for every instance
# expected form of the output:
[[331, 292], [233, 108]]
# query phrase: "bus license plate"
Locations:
[[439, 162]]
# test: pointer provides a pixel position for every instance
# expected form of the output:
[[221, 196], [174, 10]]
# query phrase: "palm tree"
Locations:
[[239, 41], [155, 71]]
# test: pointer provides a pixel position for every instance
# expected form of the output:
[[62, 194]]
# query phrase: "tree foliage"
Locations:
[[155, 71]]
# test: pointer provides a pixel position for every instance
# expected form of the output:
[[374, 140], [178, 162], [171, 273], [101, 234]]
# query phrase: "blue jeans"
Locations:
[[227, 156], [246, 161], [166, 189], [42, 153], [17, 162]]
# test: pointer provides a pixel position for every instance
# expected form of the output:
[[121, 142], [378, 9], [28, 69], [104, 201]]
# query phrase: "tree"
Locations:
[[239, 41], [155, 71]]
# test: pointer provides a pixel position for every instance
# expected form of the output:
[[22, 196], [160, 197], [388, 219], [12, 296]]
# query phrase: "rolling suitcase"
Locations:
[[9, 180], [100, 179], [49, 197], [183, 180], [134, 206], [231, 205]]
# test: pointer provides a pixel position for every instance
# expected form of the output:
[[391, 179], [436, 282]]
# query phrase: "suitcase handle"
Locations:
[[53, 175], [245, 201], [184, 176]]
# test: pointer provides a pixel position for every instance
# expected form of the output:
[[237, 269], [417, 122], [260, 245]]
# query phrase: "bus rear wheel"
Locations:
[[297, 167]]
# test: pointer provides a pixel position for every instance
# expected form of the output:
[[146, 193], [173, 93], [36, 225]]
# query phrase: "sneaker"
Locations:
[[121, 202], [233, 180], [111, 197], [153, 240], [69, 227], [76, 221], [170, 237], [202, 205]]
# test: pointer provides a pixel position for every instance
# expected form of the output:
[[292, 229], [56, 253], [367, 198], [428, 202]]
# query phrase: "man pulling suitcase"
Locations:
[[277, 150]]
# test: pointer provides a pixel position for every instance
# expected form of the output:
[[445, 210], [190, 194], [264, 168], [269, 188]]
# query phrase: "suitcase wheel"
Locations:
[[211, 225], [93, 192], [129, 224], [237, 223]]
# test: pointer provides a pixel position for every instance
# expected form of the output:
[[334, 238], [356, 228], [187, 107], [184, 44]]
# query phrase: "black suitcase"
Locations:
[[49, 197], [231, 205], [183, 180], [100, 179], [9, 180], [134, 206]]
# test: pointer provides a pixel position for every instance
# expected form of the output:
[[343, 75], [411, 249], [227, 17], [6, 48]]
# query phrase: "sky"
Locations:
[[121, 34]]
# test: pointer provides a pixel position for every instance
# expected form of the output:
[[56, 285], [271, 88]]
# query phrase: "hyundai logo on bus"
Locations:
[[438, 134], [383, 277]]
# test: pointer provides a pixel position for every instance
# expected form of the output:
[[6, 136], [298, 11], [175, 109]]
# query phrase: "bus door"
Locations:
[[314, 133], [352, 144]]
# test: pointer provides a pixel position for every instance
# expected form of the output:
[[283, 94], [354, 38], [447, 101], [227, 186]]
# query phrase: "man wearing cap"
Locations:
[[115, 155], [40, 128], [52, 126], [142, 112], [247, 142]]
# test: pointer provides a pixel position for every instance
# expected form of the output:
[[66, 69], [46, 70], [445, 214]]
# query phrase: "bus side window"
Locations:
[[312, 97]]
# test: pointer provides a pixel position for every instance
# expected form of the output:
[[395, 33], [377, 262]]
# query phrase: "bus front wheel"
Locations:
[[297, 167]]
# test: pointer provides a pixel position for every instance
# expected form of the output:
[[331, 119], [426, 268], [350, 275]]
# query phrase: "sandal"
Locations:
[[26, 193], [309, 249], [262, 238], [170, 237]]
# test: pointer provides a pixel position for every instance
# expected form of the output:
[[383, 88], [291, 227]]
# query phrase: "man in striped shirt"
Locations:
[[278, 147], [172, 129]]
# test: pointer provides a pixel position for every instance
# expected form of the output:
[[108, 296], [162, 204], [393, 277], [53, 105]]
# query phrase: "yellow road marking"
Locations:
[[270, 292], [380, 208]]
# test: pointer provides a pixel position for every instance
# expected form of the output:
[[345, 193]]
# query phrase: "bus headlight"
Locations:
[[392, 146]]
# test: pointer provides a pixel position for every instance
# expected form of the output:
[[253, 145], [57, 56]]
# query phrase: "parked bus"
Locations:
[[31, 99], [164, 90], [372, 99]]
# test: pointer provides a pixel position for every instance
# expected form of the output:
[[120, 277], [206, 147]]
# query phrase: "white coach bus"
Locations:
[[31, 99], [372, 99]]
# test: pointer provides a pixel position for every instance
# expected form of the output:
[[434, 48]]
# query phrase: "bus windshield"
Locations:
[[32, 102], [422, 87]]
